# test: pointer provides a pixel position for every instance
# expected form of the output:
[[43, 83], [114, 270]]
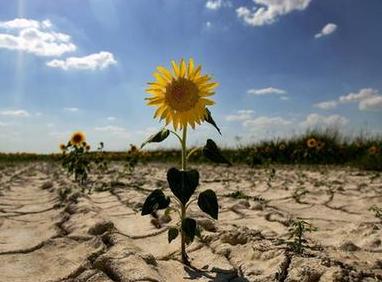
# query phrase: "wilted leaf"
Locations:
[[183, 183], [172, 234], [208, 202], [157, 137], [213, 153], [210, 120], [189, 228], [155, 201]]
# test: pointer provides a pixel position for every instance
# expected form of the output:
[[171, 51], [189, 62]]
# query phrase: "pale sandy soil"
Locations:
[[102, 236]]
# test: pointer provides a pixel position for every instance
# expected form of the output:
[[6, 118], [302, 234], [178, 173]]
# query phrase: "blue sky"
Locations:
[[283, 66]]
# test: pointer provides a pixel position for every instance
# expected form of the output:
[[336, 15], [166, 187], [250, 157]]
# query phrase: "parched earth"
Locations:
[[51, 231]]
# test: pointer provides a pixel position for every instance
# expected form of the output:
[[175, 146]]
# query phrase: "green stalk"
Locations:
[[184, 148], [183, 208]]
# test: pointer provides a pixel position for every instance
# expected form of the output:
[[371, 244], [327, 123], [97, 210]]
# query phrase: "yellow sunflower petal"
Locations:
[[207, 102], [165, 72], [159, 112], [190, 67], [154, 101], [160, 79], [208, 86], [175, 68], [154, 85], [202, 79], [206, 94], [155, 92], [196, 72], [182, 68]]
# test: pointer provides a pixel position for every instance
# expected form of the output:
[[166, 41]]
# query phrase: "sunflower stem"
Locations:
[[183, 208], [184, 148]]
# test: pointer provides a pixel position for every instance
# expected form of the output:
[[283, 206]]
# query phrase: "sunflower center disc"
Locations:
[[182, 94]]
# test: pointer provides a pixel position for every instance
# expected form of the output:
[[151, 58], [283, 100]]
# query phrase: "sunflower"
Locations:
[[77, 138], [181, 96], [282, 147], [311, 143], [87, 147], [62, 147], [373, 150]]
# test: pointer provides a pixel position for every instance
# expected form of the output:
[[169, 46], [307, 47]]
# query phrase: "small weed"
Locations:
[[132, 159], [63, 193], [377, 211], [238, 195], [260, 199], [297, 230], [99, 160]]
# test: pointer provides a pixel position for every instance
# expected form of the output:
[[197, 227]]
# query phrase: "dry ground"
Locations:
[[46, 235]]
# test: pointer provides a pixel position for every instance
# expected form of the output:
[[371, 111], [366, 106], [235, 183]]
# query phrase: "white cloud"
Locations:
[[315, 120], [147, 131], [217, 4], [368, 99], [326, 30], [15, 113], [95, 61], [241, 115], [71, 109], [266, 91], [112, 132], [21, 23], [111, 129], [284, 98], [268, 11], [371, 104], [208, 24], [363, 94], [213, 4], [35, 37], [326, 105], [266, 122], [111, 118]]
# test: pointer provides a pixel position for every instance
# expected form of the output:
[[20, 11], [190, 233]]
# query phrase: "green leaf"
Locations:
[[155, 201], [210, 120], [213, 153], [189, 228], [157, 137], [183, 183], [208, 202], [172, 234]]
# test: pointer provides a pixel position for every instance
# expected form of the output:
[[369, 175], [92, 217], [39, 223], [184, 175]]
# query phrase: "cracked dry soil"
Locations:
[[50, 231]]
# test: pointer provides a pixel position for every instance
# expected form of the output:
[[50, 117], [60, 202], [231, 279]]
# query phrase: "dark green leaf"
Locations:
[[208, 202], [172, 234], [212, 152], [210, 120], [157, 137], [183, 183], [155, 201], [189, 228]]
